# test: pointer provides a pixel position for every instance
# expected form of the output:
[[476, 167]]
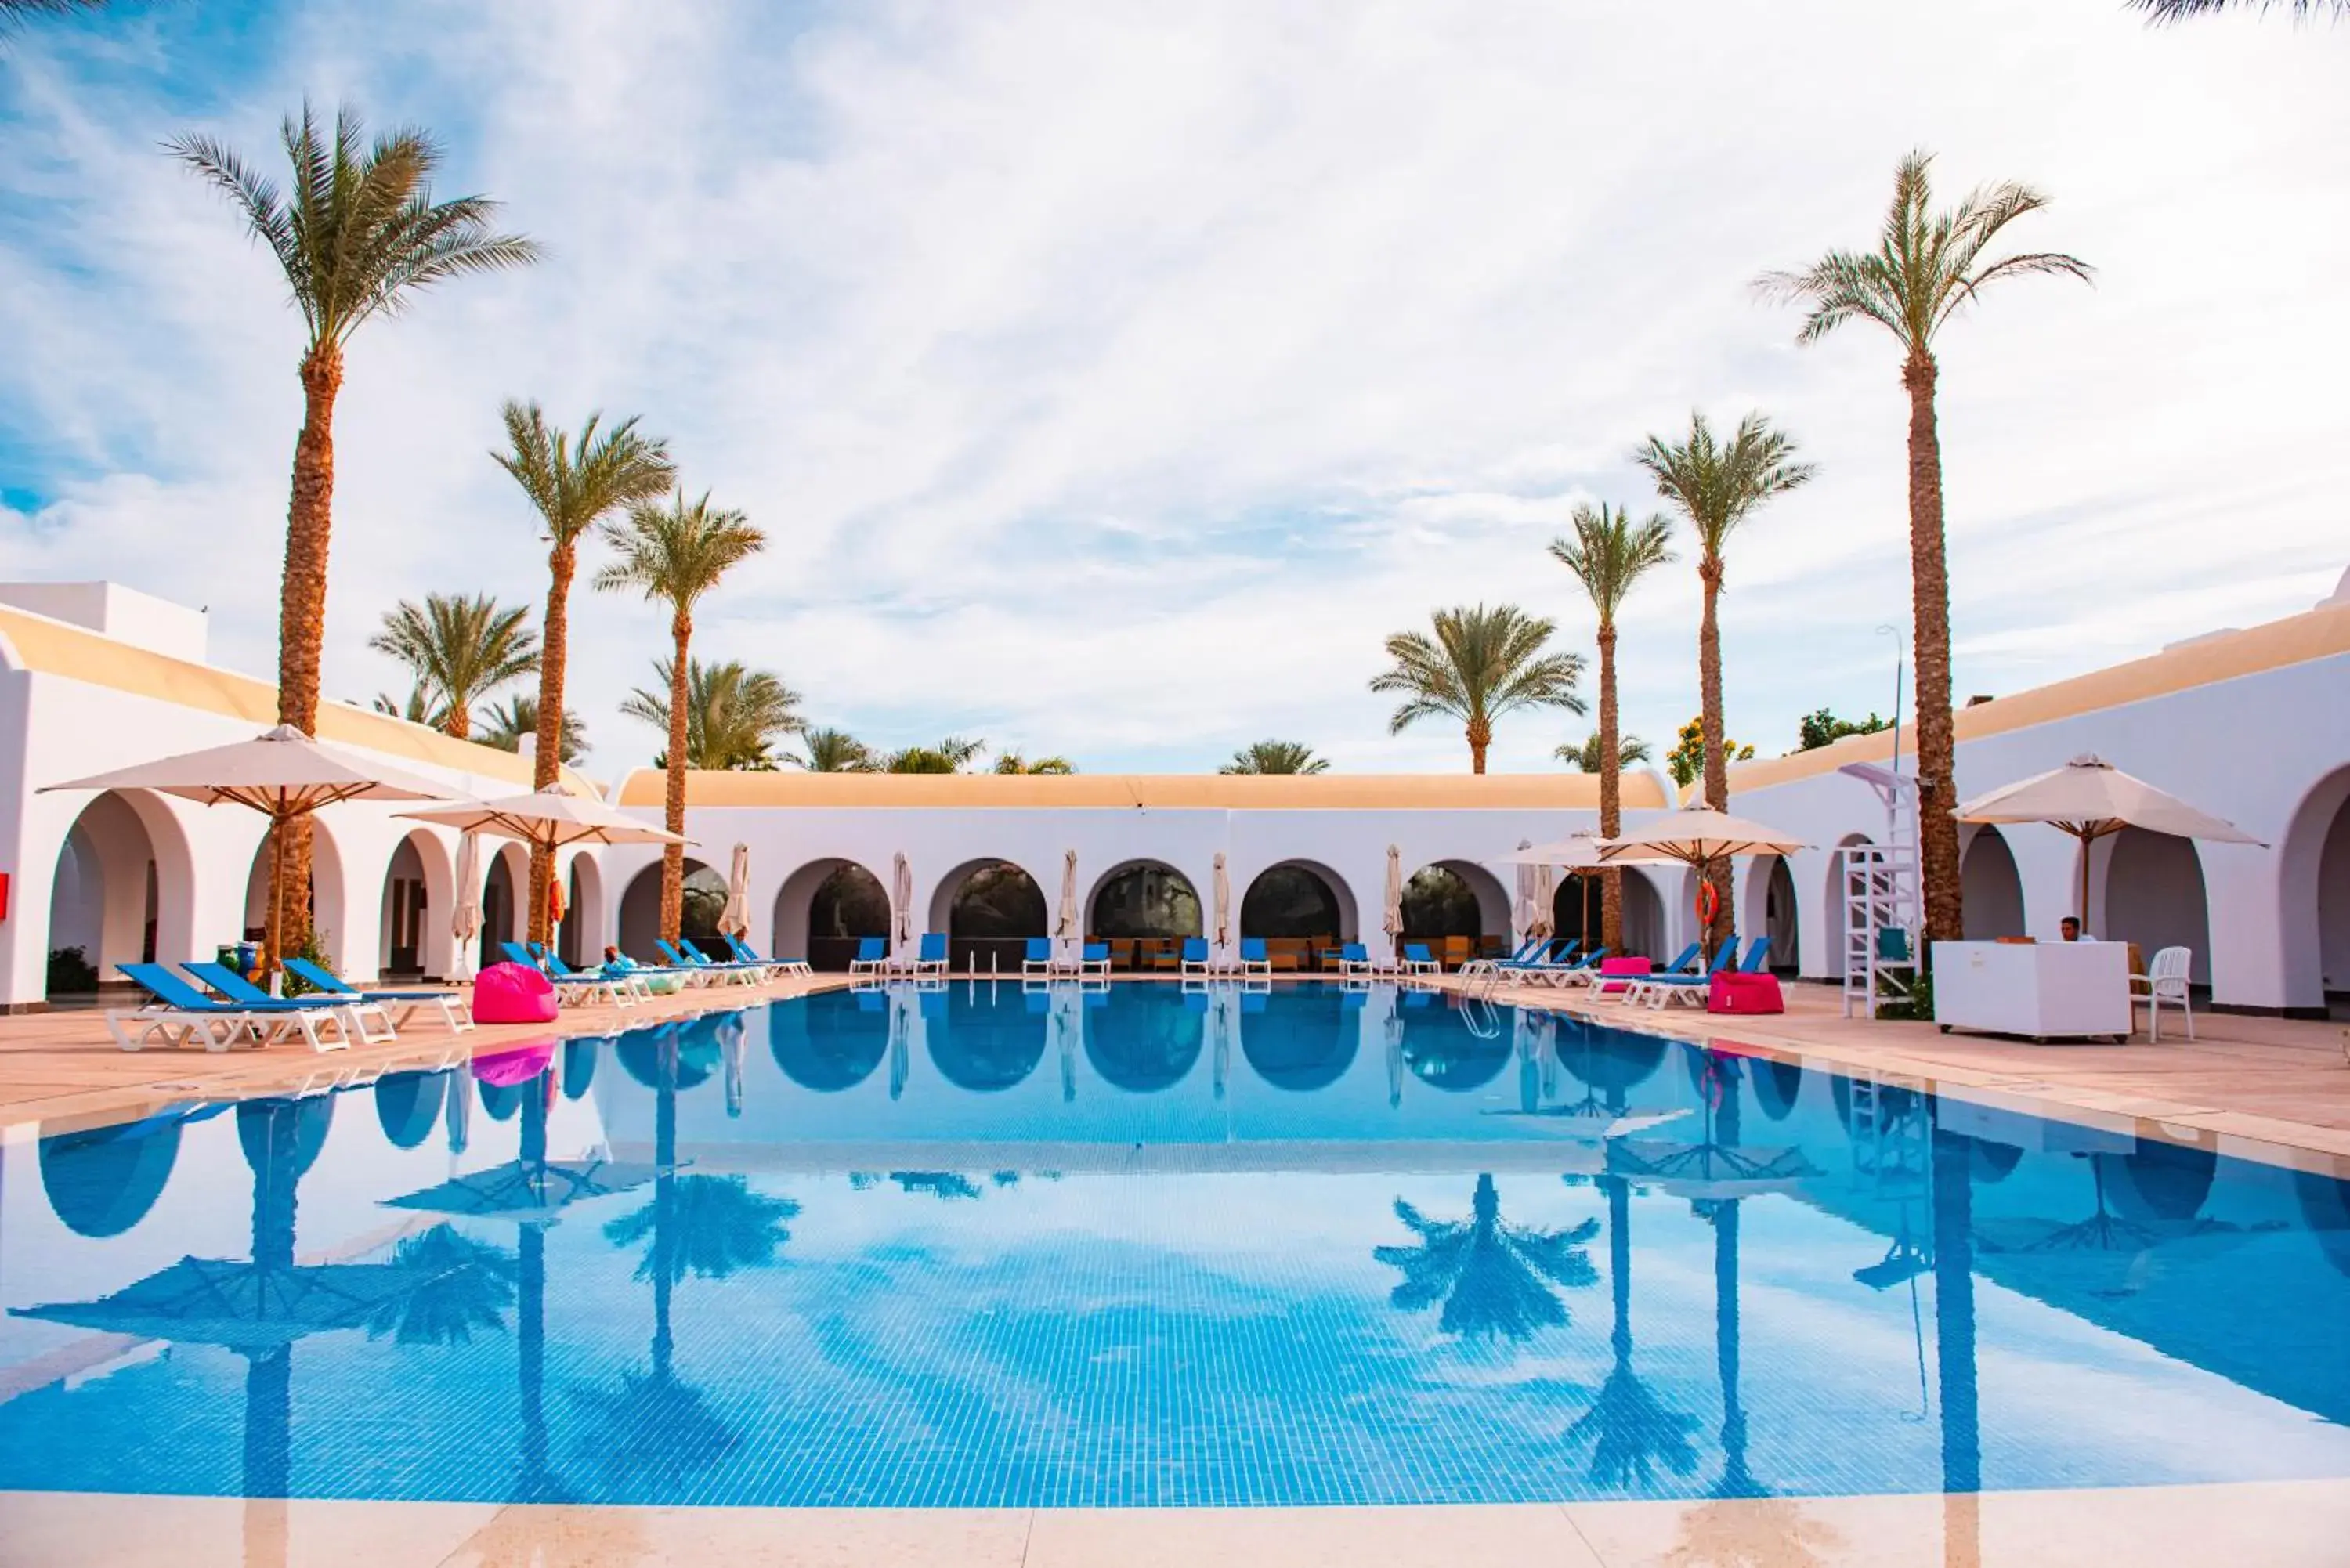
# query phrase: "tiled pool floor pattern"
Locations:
[[1290, 1329]]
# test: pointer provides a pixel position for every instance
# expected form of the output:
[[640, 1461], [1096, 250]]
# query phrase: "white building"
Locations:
[[2252, 725]]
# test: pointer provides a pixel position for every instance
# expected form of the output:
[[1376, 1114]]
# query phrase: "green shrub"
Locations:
[[70, 971], [315, 950], [1919, 1005]]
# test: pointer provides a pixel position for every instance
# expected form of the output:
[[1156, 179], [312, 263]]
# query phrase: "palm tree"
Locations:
[[1585, 755], [358, 235], [573, 483], [1926, 264], [503, 724], [1481, 664], [1717, 486], [734, 714], [1276, 757], [825, 751], [460, 648], [1609, 555], [1013, 763], [2180, 10], [673, 555], [948, 756], [418, 708], [1492, 1277]]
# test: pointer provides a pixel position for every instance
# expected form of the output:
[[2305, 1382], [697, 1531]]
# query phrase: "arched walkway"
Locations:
[[2153, 895], [824, 908], [1781, 922], [418, 887], [1461, 909], [123, 891], [326, 882], [989, 909], [1644, 916], [504, 885], [1298, 908], [1574, 907], [1992, 887], [577, 939], [2313, 874], [1144, 910], [706, 902]]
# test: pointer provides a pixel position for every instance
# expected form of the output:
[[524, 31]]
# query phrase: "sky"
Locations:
[[1110, 380]]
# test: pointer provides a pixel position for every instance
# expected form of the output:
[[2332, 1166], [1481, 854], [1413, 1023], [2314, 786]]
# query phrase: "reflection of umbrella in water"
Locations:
[[1493, 1278], [102, 1181], [2152, 1197], [1711, 1168], [825, 1042], [407, 1106]]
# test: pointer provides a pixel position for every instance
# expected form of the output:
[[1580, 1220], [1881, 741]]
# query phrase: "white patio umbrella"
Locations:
[[465, 919], [548, 819], [284, 775], [1697, 836], [1066, 926], [2090, 798], [735, 920], [901, 899], [1223, 902], [1392, 921], [1577, 853]]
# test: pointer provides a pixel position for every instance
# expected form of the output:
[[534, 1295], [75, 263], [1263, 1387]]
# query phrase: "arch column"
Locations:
[[2244, 902], [2048, 864]]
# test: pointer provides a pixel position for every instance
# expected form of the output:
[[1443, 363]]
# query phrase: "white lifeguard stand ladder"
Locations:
[[1882, 906]]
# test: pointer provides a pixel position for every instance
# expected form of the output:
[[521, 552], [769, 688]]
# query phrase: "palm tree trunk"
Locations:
[[459, 724], [546, 759], [1480, 735], [1611, 791], [1716, 765], [673, 904], [302, 601], [1929, 590], [1954, 1313]]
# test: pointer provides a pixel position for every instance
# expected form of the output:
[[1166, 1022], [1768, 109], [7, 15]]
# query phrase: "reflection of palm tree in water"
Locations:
[[1493, 1278], [1954, 1342], [658, 1428], [1630, 1430]]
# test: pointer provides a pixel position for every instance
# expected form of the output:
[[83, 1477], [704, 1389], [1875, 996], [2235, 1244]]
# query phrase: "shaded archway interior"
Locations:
[[104, 897], [1295, 910], [704, 902], [1144, 910], [993, 909]]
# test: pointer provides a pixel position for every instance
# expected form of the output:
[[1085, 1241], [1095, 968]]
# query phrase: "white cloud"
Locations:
[[1111, 378]]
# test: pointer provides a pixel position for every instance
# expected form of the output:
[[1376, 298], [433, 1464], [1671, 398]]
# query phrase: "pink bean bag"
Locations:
[[519, 1064], [513, 993]]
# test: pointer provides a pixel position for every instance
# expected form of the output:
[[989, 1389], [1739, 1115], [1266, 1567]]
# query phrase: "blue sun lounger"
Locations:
[[354, 1016], [456, 1012]]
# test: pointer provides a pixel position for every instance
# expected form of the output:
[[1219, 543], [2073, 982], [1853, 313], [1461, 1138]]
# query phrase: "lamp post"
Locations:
[[1900, 665]]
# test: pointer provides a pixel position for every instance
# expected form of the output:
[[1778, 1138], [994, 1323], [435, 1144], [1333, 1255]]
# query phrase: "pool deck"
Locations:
[[2274, 1524]]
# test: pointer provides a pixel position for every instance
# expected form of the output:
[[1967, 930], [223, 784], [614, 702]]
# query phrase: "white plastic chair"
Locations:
[[2165, 980]]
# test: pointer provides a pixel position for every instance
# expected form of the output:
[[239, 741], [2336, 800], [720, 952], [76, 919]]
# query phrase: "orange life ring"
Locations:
[[1709, 904]]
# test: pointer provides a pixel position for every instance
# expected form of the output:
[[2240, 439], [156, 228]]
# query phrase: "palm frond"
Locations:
[[1718, 484], [734, 714], [1275, 757], [1609, 553], [1481, 663], [2166, 11], [674, 554], [575, 484]]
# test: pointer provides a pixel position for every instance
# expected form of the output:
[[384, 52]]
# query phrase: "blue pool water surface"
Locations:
[[984, 1245]]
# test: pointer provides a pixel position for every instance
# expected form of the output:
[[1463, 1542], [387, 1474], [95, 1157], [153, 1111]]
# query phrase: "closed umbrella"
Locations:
[[2090, 798], [1223, 902], [1066, 926], [901, 900], [1577, 853], [735, 920], [284, 775], [1525, 909], [465, 921], [1392, 922]]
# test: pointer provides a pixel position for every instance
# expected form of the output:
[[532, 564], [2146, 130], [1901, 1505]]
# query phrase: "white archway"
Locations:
[[2149, 890], [419, 898], [2313, 895], [1991, 889], [124, 886], [1270, 905], [815, 913]]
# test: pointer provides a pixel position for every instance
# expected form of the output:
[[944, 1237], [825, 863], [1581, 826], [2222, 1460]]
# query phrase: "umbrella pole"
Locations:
[[2087, 841], [274, 937]]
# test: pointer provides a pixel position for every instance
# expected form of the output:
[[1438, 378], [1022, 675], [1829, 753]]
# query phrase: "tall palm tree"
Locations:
[[827, 751], [1493, 1278], [1608, 554], [674, 554], [503, 724], [1481, 664], [573, 483], [1276, 757], [734, 716], [1926, 264], [460, 647], [358, 235], [1717, 485], [1013, 763], [1587, 755]]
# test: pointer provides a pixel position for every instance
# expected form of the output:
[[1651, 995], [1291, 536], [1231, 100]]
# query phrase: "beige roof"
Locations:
[[1174, 792], [55, 647], [2321, 633]]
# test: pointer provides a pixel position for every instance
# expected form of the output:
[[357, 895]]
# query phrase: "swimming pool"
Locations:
[[987, 1245]]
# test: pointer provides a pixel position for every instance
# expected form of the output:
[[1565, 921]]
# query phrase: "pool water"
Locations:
[[985, 1245]]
